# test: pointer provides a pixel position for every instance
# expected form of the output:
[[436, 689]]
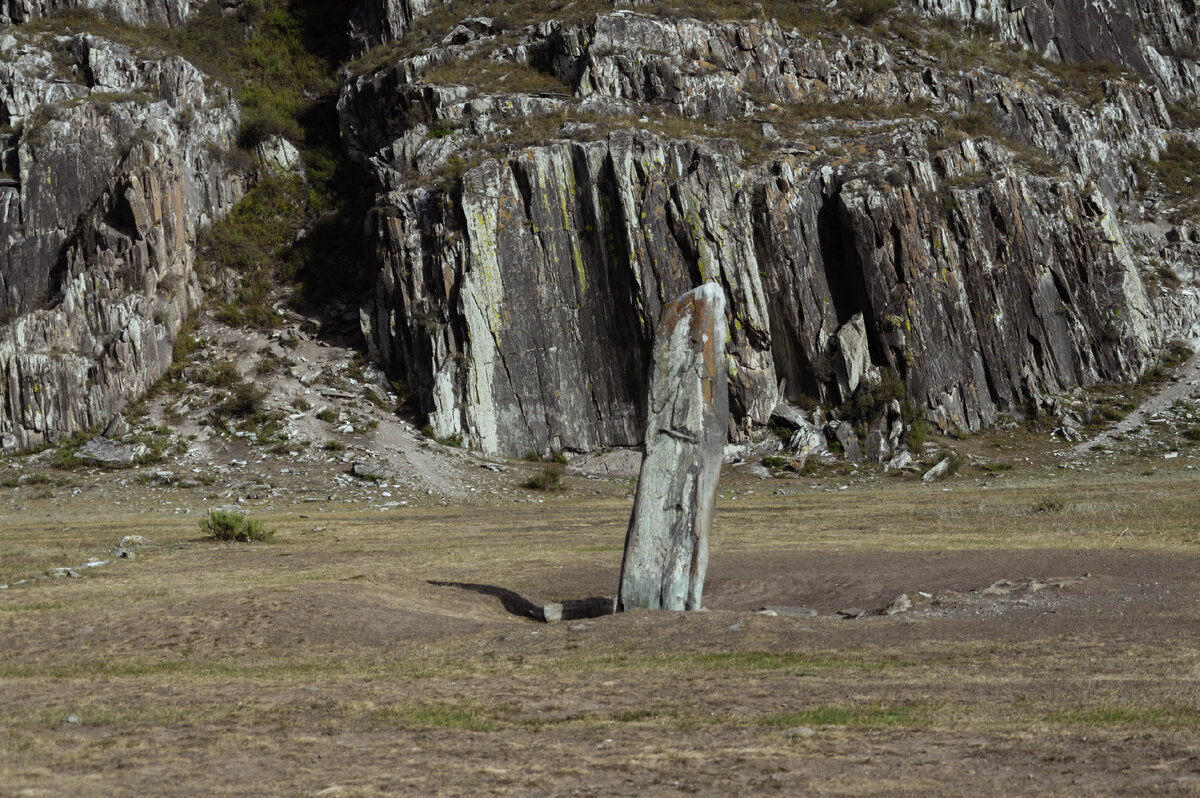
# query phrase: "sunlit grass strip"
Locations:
[[442, 716], [856, 716], [1169, 715], [752, 661]]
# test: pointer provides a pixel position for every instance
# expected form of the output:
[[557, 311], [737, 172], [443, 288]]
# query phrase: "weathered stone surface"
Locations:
[[279, 155], [377, 22], [1157, 39], [852, 356], [847, 438], [877, 448], [952, 261], [364, 469], [135, 12], [666, 548], [103, 450], [115, 168], [579, 609], [938, 471], [902, 603]]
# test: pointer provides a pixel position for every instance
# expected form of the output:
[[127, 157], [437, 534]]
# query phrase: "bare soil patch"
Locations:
[[390, 654]]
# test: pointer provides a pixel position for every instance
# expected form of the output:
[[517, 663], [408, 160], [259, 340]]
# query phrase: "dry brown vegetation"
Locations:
[[367, 653]]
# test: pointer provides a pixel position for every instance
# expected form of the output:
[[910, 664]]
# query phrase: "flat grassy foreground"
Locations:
[[386, 653]]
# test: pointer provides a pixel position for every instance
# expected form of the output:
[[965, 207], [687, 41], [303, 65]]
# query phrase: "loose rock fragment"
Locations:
[[938, 471], [901, 604]]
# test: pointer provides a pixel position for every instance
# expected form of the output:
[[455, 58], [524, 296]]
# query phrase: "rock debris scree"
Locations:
[[666, 549]]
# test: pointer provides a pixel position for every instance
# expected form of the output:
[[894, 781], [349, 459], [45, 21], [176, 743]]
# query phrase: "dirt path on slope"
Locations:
[[1186, 383]]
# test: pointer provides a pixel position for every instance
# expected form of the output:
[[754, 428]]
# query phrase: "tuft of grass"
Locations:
[[235, 527], [549, 479], [1051, 505], [867, 12], [775, 462], [333, 445], [243, 402], [221, 375]]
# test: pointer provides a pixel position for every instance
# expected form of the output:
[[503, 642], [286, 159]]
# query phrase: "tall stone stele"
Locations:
[[666, 548]]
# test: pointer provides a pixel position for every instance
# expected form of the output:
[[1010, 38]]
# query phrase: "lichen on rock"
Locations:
[[114, 164]]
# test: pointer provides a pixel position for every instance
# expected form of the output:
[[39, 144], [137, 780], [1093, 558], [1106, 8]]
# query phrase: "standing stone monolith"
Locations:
[[666, 548]]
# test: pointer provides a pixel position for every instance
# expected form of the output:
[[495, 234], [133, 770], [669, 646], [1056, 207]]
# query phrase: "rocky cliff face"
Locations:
[[111, 160], [377, 22], [1158, 40], [970, 211], [134, 12], [866, 205]]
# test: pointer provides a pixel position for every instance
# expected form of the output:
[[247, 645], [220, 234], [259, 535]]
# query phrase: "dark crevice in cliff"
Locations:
[[838, 259], [898, 254]]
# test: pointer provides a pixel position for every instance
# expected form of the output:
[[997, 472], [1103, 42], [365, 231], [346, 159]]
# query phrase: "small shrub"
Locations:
[[334, 446], [245, 401], [235, 527], [917, 434], [220, 375], [866, 12], [1178, 352], [868, 404], [327, 415], [775, 462], [404, 395], [549, 480]]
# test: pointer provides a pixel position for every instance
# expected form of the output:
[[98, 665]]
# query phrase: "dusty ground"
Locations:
[[383, 644]]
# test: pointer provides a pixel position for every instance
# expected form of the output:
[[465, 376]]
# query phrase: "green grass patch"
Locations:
[[235, 527], [549, 479], [1122, 716], [442, 716]]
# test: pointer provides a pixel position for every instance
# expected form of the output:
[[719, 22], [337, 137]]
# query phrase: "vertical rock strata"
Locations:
[[377, 22], [965, 225], [134, 12], [111, 162], [1157, 39], [666, 549]]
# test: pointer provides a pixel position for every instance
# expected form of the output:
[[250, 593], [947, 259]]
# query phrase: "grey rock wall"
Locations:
[[1157, 39], [112, 162], [134, 12], [377, 22], [518, 289]]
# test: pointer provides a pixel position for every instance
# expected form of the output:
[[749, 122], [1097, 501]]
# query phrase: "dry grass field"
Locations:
[[391, 653]]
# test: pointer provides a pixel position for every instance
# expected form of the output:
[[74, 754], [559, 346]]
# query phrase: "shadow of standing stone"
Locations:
[[666, 548]]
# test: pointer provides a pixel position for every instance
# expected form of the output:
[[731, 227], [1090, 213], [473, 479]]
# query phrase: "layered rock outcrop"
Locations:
[[134, 12], [1158, 40], [112, 160], [377, 22], [965, 221]]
